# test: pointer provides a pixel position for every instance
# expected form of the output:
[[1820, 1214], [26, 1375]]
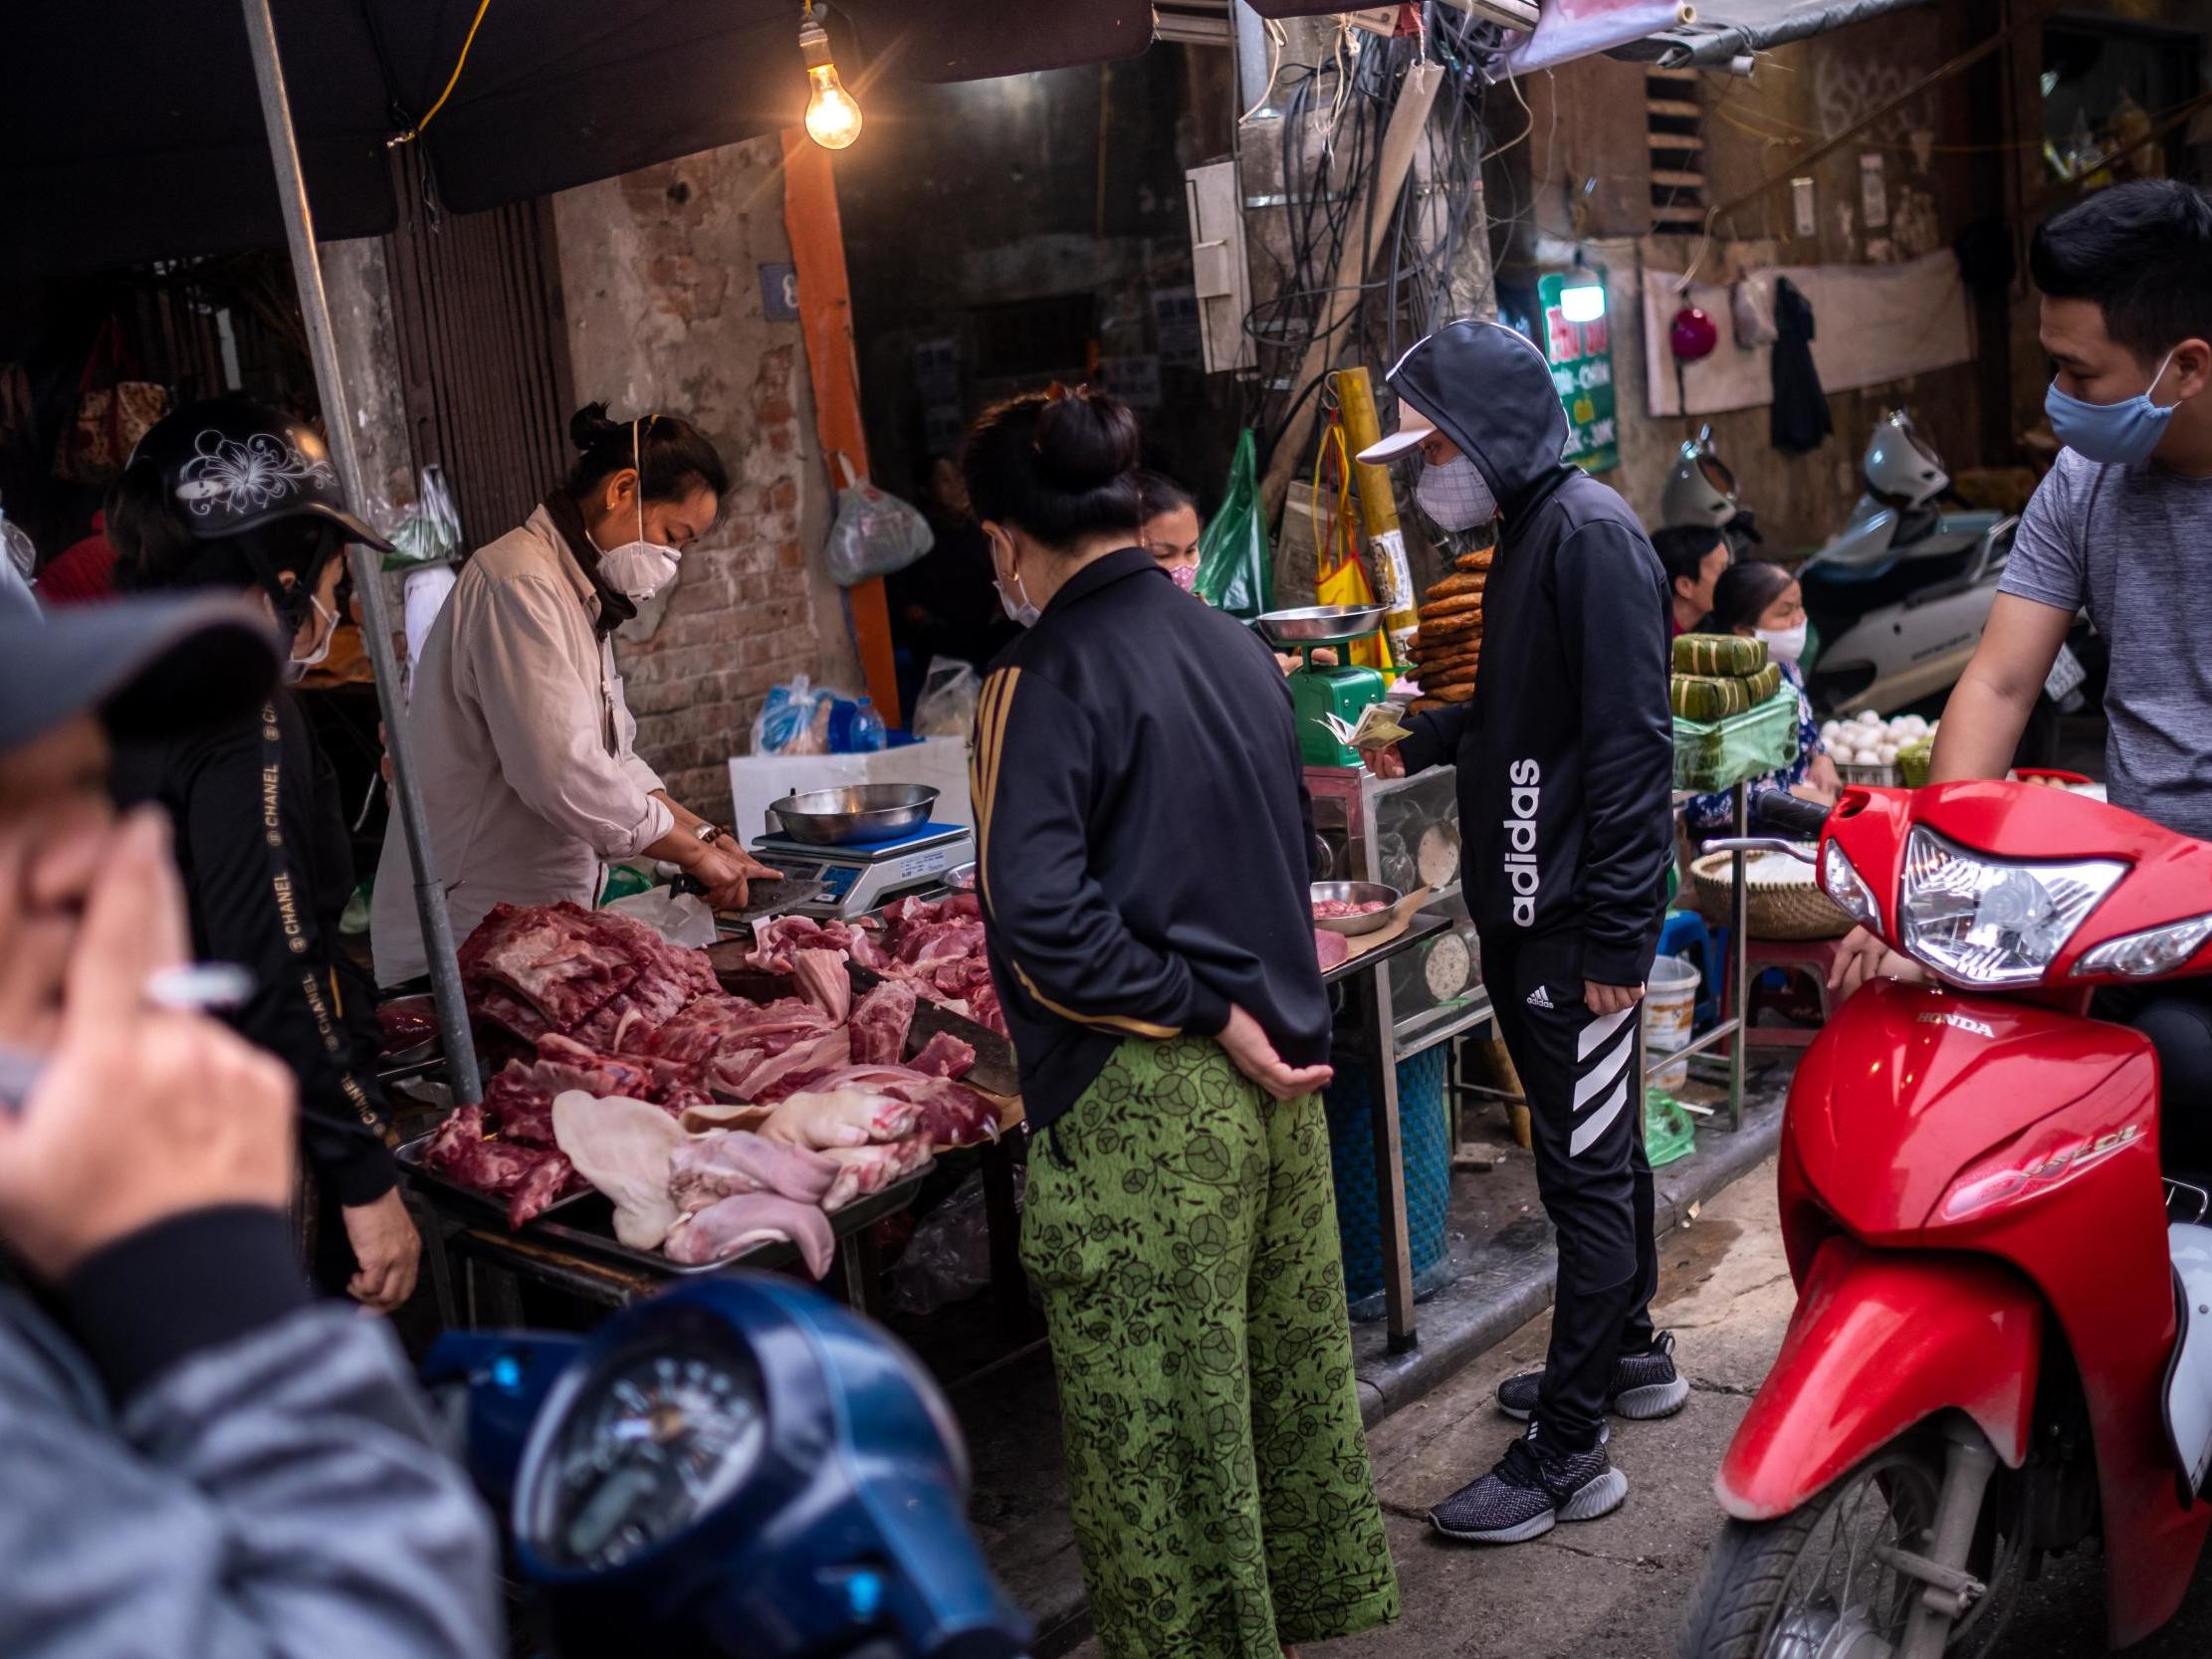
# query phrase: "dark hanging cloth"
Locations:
[[616, 606], [1799, 420]]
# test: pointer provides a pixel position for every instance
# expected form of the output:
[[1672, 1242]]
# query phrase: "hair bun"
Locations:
[[589, 427], [1085, 440]]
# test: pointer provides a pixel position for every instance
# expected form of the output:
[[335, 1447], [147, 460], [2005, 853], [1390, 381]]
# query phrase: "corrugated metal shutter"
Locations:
[[483, 350]]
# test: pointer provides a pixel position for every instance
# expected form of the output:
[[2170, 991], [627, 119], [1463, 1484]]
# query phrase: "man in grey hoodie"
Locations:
[[198, 1460]]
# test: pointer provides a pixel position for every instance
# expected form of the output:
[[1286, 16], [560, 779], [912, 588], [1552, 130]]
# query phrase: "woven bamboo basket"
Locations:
[[1773, 910]]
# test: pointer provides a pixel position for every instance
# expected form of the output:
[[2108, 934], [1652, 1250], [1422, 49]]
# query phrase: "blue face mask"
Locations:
[[2125, 432]]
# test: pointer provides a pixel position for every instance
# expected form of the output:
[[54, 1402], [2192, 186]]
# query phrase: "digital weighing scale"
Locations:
[[854, 880], [1318, 693]]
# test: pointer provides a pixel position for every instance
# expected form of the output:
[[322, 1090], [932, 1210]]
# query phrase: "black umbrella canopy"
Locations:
[[132, 130]]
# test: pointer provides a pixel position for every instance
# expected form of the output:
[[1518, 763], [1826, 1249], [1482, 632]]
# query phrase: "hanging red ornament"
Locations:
[[1692, 334]]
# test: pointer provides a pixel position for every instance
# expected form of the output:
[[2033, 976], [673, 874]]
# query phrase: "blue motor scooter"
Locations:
[[740, 1469]]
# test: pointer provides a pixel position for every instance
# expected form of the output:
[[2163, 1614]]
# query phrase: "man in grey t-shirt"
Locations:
[[2123, 525]]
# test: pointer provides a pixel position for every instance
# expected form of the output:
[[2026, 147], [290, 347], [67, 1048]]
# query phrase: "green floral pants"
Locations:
[[1183, 1235]]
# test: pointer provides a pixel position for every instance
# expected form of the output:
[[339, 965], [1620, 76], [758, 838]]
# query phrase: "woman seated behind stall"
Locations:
[[519, 730], [1171, 533], [1144, 838], [1761, 600]]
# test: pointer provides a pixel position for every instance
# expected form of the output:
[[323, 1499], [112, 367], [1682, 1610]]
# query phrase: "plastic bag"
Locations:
[[1751, 309], [795, 719], [1347, 584], [1667, 1131], [873, 533], [947, 706], [1236, 571], [948, 1258], [431, 534], [682, 918]]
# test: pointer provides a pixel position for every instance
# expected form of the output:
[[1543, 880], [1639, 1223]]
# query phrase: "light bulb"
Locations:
[[832, 113], [1584, 303]]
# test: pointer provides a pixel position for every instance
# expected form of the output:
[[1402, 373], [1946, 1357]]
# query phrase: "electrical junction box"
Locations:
[[1219, 276]]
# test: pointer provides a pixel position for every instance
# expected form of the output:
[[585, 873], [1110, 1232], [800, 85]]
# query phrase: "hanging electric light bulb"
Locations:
[[832, 113]]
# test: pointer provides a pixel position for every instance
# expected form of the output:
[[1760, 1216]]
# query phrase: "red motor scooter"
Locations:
[[2001, 1345]]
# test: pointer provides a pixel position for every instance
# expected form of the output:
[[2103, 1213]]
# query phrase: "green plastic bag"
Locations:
[[1235, 569], [1667, 1131]]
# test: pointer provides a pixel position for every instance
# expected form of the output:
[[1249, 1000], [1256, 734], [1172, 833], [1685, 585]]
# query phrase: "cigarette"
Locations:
[[194, 987]]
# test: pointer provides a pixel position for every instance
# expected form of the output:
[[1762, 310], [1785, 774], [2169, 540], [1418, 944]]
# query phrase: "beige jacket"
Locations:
[[524, 744]]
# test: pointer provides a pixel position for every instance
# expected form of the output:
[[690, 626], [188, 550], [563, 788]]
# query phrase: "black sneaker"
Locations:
[[1534, 1486], [1642, 1385]]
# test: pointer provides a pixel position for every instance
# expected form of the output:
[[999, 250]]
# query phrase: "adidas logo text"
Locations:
[[1539, 998]]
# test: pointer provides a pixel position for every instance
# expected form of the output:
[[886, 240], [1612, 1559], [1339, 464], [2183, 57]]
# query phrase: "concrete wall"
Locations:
[[660, 277]]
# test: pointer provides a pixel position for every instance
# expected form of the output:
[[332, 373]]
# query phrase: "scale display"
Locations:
[[851, 880]]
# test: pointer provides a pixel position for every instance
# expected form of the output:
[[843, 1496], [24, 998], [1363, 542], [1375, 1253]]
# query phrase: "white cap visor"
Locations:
[[1412, 428]]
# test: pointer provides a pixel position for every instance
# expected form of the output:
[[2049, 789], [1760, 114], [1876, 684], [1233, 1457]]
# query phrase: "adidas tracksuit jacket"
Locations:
[[1565, 763]]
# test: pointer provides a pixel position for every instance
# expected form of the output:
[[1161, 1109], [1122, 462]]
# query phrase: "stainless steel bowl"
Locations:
[[1356, 893], [1322, 624], [857, 813]]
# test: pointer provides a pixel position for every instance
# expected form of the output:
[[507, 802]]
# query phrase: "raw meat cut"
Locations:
[[698, 1120], [1336, 909], [774, 939], [785, 1074], [529, 1177], [561, 967], [1330, 949], [953, 1113], [719, 1023], [622, 1148], [824, 981], [704, 1169], [944, 1055], [880, 1022], [938, 947], [840, 1116], [863, 1171], [734, 1225], [406, 1022]]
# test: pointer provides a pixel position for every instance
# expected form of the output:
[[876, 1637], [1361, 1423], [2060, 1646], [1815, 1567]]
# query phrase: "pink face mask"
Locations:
[[1184, 577]]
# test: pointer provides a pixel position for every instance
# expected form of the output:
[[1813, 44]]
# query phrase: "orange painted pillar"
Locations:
[[825, 319]]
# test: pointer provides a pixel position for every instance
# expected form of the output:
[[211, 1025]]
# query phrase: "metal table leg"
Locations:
[[1390, 1174], [1739, 949], [1010, 1286]]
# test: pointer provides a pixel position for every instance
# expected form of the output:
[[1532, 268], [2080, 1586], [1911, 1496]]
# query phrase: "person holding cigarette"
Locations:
[[199, 1459]]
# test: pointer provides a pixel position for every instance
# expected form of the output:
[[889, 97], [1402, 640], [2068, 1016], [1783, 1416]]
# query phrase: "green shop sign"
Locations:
[[1578, 344]]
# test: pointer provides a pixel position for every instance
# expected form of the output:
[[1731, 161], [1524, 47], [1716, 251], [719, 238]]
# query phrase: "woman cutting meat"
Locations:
[[520, 729], [1144, 831]]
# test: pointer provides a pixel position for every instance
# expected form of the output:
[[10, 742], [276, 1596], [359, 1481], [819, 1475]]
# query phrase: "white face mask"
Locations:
[[1784, 645], [1023, 614], [1455, 495], [638, 569], [296, 668]]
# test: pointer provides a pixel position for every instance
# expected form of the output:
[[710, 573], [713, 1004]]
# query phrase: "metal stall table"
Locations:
[[1426, 988]]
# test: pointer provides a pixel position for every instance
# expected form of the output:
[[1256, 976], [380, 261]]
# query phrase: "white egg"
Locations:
[[1865, 717], [1916, 724], [1830, 731], [1887, 754]]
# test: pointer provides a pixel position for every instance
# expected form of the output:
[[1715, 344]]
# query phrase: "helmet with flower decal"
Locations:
[[231, 493]]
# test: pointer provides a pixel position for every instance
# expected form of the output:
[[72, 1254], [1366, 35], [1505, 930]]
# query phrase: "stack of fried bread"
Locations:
[[1448, 646]]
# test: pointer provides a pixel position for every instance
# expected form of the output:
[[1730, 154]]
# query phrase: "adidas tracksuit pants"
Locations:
[[1585, 1111]]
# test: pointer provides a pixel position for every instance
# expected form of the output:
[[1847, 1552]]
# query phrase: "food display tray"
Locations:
[[590, 1233], [410, 1155]]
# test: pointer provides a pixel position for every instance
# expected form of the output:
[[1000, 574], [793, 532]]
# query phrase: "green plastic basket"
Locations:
[[1719, 754], [1913, 762]]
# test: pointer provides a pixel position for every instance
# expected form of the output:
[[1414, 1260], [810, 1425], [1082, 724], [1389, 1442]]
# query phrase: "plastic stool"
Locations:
[[1815, 957], [1684, 935]]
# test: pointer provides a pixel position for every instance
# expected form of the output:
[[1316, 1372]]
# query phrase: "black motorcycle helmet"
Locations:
[[230, 493]]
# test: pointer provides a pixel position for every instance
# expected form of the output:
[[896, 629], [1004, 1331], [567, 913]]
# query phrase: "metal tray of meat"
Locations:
[[445, 1188], [591, 1234]]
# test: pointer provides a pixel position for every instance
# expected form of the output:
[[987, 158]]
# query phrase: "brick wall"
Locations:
[[660, 279]]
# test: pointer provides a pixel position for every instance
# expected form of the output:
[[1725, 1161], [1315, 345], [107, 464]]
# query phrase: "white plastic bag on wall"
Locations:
[[873, 534]]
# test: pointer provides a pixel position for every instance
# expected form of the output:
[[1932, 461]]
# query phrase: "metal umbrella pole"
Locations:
[[369, 580]]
